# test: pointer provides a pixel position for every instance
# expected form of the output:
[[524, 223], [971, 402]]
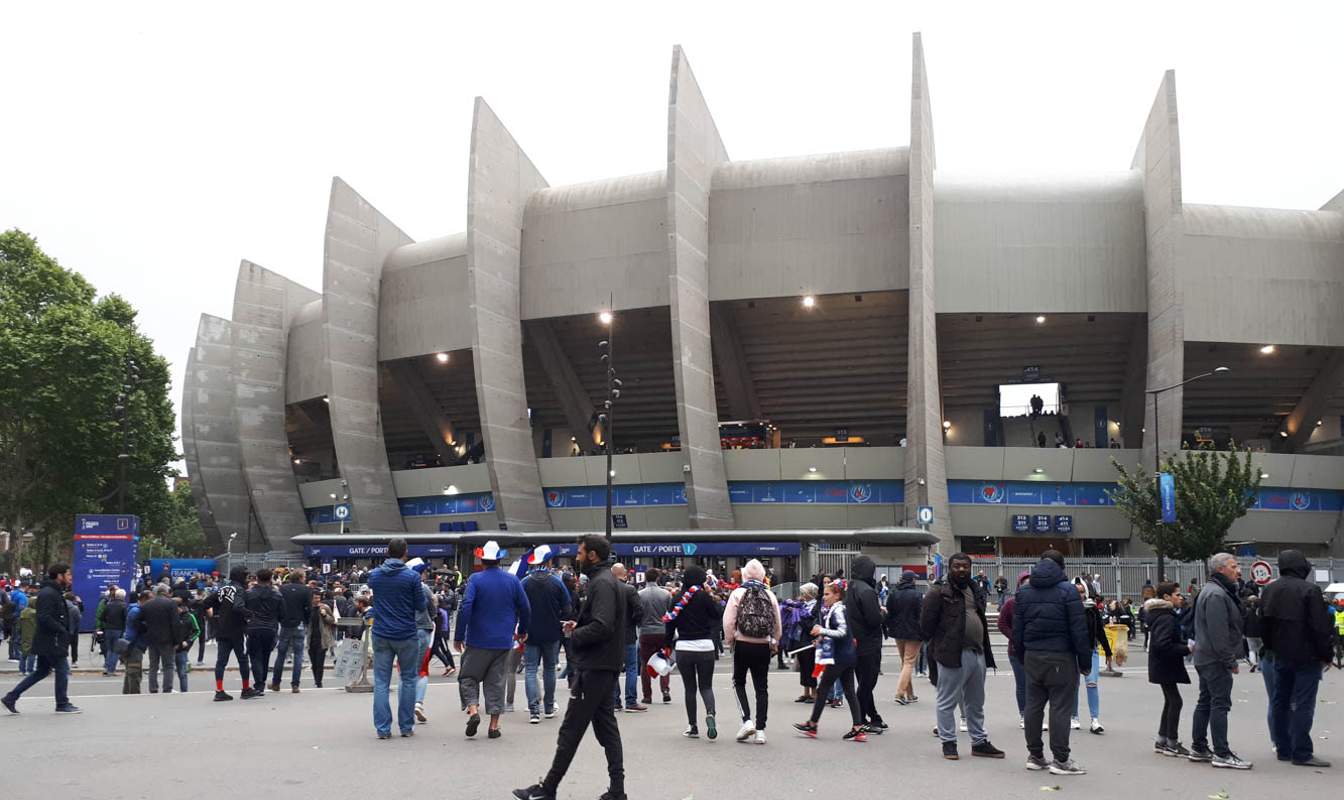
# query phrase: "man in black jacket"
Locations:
[[226, 607], [1298, 630], [953, 622], [158, 621], [50, 643], [114, 624], [264, 609], [863, 611], [634, 613], [597, 650], [903, 625], [297, 601]]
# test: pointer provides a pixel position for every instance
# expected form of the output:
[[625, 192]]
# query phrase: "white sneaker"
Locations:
[[1075, 725], [962, 726], [1096, 726], [1021, 723], [420, 713], [760, 737], [744, 733]]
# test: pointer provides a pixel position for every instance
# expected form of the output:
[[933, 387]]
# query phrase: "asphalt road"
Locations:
[[321, 743]]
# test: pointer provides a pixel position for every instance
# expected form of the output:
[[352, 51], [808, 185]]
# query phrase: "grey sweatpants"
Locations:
[[483, 669], [964, 686]]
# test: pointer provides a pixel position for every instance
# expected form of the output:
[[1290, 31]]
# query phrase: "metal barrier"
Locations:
[[1126, 577], [254, 561]]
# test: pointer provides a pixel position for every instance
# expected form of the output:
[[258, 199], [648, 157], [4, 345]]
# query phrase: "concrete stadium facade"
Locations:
[[355, 407]]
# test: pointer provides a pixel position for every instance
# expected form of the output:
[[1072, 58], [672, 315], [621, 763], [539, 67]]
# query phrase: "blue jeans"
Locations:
[[110, 637], [1271, 678], [406, 652], [547, 656], [290, 639], [46, 666], [422, 638], [631, 678], [1020, 679], [27, 663], [1093, 691], [182, 668], [1294, 704]]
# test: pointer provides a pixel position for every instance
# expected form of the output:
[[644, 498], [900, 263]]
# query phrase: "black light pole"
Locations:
[[1157, 453], [607, 356]]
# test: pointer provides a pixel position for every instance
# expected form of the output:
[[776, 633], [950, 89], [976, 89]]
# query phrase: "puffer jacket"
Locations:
[[903, 609], [1166, 647], [1048, 616]]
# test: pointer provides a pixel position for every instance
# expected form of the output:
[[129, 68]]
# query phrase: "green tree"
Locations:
[[182, 537], [65, 356], [1213, 490]]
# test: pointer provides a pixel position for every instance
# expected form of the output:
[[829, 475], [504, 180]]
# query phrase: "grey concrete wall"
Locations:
[[264, 304], [358, 241], [1158, 160], [694, 150], [1045, 245], [198, 495], [306, 373], [500, 178], [1259, 275], [218, 456], [820, 224], [926, 476], [582, 241], [423, 303]]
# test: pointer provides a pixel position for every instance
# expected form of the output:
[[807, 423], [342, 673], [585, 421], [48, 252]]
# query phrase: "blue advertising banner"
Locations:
[[101, 559], [181, 567], [1166, 488]]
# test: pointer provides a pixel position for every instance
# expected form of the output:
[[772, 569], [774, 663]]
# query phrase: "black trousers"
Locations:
[[1053, 678], [441, 649], [697, 676], [828, 678], [238, 648], [1169, 725], [317, 660], [754, 658], [260, 643], [865, 671], [591, 701]]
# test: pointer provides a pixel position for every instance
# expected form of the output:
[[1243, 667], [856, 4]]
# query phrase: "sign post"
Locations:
[[104, 554], [1262, 573]]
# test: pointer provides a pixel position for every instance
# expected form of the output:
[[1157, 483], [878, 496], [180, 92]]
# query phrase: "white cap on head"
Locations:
[[491, 551]]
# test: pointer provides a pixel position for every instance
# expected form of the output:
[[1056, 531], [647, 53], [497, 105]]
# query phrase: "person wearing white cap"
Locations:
[[494, 613]]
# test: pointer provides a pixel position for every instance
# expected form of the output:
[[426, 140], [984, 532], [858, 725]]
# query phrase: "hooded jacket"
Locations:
[[494, 608], [1006, 611], [52, 639], [903, 609], [1048, 616], [396, 597], [1296, 624], [548, 600], [863, 611], [1166, 646]]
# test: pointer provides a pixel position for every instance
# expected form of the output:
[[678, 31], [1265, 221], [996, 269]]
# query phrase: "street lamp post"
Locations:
[[1157, 452], [606, 354], [228, 553]]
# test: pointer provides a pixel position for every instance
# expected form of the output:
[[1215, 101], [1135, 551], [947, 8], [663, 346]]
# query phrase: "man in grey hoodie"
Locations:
[[1218, 636]]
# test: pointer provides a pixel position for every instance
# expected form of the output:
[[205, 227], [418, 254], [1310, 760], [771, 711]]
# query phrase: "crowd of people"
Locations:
[[610, 622]]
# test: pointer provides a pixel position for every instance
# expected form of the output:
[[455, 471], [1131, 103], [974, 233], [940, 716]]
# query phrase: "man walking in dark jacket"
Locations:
[[953, 622], [863, 611], [1218, 640], [634, 616], [549, 601], [297, 605], [1050, 640], [598, 650], [114, 623], [50, 643], [1298, 629], [228, 609], [903, 625], [158, 619], [264, 608]]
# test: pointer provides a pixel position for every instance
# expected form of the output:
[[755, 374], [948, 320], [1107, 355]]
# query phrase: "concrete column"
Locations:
[[925, 466], [732, 361], [193, 465], [500, 178], [574, 400], [1133, 397], [1158, 158], [215, 433], [1315, 403], [694, 149], [264, 303], [358, 241]]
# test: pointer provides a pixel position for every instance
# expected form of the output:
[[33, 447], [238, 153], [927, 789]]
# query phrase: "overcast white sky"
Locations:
[[152, 145]]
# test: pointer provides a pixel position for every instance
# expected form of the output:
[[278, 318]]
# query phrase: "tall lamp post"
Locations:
[[1157, 451], [606, 354], [228, 553]]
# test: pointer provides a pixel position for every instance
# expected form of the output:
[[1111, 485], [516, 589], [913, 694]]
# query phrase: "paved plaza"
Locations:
[[321, 742]]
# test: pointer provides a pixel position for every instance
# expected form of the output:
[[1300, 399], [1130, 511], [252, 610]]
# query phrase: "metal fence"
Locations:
[[1125, 577], [255, 561]]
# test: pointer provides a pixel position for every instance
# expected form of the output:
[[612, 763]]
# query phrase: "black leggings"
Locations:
[[697, 673], [754, 658], [317, 661], [1169, 723], [441, 650], [828, 678]]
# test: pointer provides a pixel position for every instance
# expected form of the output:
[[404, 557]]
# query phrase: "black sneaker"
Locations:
[[859, 734], [667, 698], [875, 729], [8, 702], [473, 723], [1177, 750], [950, 751], [986, 750], [1200, 754], [610, 795], [493, 733], [534, 792], [221, 696], [69, 708], [249, 693]]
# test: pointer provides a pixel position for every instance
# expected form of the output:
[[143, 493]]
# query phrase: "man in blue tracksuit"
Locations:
[[396, 599], [494, 613]]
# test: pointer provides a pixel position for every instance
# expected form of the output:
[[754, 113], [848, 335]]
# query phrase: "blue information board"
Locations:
[[1040, 523], [1021, 523], [1064, 523], [104, 554]]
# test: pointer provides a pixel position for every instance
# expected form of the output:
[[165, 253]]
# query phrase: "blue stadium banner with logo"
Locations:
[[1166, 489], [104, 553]]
